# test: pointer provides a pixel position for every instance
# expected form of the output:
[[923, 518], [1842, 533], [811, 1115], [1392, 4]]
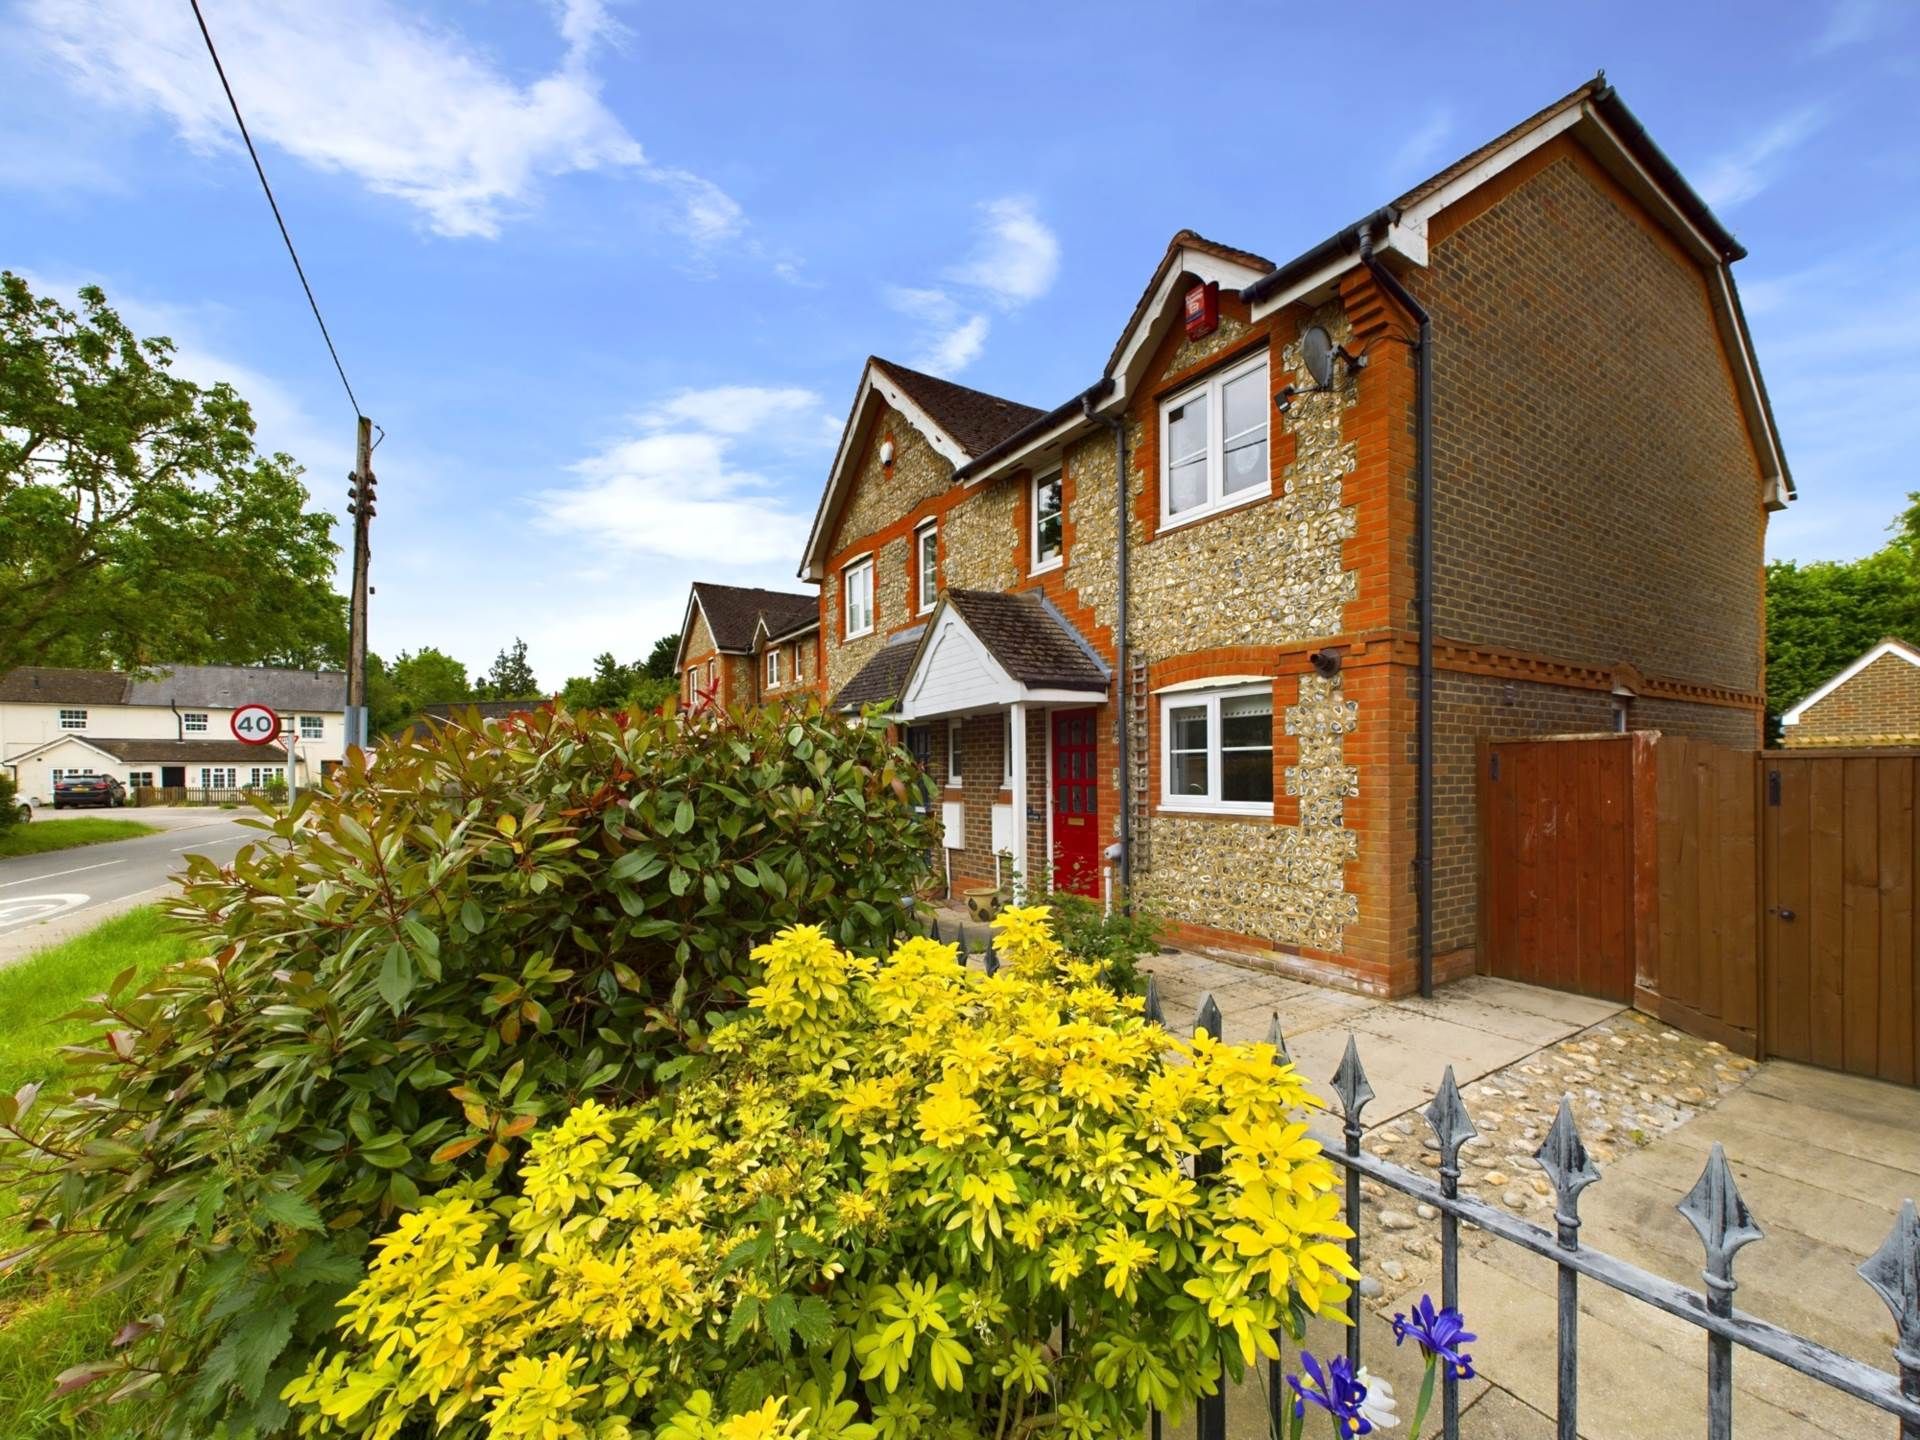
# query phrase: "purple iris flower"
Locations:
[[1443, 1334], [1335, 1390]]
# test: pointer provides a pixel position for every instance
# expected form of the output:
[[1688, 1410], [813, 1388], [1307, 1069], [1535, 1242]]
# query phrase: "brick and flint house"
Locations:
[[1169, 630], [746, 646], [1873, 701]]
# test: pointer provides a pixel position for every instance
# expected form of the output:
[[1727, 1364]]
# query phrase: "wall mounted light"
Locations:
[[886, 451]]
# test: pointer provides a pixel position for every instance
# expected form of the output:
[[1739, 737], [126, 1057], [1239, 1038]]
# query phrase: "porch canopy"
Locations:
[[984, 651]]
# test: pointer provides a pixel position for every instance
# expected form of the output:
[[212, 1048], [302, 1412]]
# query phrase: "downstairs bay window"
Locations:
[[1216, 750]]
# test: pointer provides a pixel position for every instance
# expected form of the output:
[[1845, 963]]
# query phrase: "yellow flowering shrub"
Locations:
[[863, 1214]]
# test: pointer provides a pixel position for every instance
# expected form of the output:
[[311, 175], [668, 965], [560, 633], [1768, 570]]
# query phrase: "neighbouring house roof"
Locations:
[[167, 752], [1030, 639], [766, 632], [878, 681], [958, 422], [455, 712], [1890, 646], [734, 612], [209, 687], [973, 417]]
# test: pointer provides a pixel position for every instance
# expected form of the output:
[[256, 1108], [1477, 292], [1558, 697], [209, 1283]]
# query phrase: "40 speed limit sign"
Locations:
[[256, 725]]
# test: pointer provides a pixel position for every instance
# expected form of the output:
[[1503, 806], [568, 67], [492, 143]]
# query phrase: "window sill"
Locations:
[[856, 634], [1226, 810], [1047, 567], [1194, 517]]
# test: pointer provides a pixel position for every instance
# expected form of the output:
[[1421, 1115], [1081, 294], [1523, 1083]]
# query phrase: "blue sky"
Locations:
[[606, 272]]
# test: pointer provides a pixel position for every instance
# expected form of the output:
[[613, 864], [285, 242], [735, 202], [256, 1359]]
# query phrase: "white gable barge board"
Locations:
[[875, 386], [953, 673], [1879, 652]]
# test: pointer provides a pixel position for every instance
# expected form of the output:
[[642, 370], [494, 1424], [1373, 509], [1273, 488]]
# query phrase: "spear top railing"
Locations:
[[1894, 1273], [1452, 1126], [1563, 1155], [1350, 1084], [1278, 1041], [1721, 1219], [1208, 1020]]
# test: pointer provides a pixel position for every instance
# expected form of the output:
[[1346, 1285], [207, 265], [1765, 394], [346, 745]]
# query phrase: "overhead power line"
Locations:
[[278, 219]]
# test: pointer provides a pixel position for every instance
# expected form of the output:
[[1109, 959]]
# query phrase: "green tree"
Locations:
[[663, 657], [1824, 614], [430, 676], [138, 523], [606, 688], [512, 677]]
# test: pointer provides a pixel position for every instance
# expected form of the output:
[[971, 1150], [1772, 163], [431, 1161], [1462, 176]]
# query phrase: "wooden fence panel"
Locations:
[[1707, 977], [1843, 969]]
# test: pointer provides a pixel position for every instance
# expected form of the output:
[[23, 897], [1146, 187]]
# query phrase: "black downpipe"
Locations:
[[1423, 483], [1123, 870]]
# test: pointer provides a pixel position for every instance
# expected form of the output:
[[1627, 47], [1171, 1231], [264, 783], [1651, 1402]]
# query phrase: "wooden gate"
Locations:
[[1841, 967], [1557, 885]]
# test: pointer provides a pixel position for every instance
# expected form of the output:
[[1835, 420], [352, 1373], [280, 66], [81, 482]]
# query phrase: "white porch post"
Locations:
[[1019, 728]]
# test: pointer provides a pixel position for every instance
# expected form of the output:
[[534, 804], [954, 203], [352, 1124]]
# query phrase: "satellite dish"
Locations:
[[1316, 349]]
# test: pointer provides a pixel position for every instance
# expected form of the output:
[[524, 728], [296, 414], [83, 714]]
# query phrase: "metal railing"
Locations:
[[1713, 1207]]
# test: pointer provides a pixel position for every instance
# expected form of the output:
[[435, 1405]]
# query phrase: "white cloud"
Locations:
[[1014, 261], [1850, 22], [679, 490], [1015, 257], [1419, 150], [1743, 173], [409, 108]]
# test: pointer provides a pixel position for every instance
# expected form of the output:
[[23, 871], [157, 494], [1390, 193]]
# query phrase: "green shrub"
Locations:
[[865, 1214], [483, 926], [1117, 940], [9, 803]]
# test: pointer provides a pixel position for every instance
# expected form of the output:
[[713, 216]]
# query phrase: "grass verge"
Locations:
[[37, 837], [47, 1325]]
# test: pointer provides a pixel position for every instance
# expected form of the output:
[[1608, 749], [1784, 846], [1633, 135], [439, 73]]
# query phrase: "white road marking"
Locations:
[[26, 909], [54, 874], [202, 844]]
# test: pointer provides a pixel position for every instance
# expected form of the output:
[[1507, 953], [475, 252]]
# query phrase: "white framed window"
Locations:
[[954, 777], [1047, 553], [219, 777], [73, 719], [312, 727], [856, 597], [1006, 750], [194, 722], [1216, 750], [773, 668], [926, 549], [140, 779], [262, 775], [1213, 444]]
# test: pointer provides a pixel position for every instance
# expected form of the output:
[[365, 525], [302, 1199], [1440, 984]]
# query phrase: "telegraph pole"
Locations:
[[360, 506]]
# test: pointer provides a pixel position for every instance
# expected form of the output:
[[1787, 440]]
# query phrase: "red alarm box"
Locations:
[[1203, 309]]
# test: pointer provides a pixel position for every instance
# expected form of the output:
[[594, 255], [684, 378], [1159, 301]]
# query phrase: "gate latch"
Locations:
[[1773, 789], [1782, 911]]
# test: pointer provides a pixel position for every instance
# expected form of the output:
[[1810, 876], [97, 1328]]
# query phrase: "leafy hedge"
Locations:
[[866, 1211], [478, 929]]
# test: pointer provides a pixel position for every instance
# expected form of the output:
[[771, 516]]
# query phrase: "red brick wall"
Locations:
[[1880, 705]]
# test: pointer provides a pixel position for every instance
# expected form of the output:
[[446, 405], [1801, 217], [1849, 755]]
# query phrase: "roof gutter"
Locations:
[[1079, 405], [1337, 245]]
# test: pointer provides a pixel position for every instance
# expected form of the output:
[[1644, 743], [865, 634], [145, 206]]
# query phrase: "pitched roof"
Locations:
[[878, 681], [1182, 240], [974, 418], [453, 712], [212, 687], [733, 612], [56, 684], [1897, 648], [189, 752], [1029, 639]]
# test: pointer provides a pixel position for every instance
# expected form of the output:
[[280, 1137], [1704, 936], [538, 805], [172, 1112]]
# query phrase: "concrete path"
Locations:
[[45, 899]]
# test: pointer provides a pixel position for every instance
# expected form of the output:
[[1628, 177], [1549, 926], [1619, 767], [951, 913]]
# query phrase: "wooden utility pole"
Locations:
[[360, 506]]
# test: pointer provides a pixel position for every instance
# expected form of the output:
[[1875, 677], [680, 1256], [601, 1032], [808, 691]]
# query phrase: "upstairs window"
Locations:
[[856, 593], [312, 727], [1216, 750], [1046, 522], [927, 563], [194, 722], [73, 719], [1213, 444]]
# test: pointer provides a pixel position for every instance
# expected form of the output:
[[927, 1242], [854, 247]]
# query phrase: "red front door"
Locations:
[[1075, 798]]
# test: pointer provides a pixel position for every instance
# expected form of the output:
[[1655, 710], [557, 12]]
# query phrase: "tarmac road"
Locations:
[[45, 898]]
